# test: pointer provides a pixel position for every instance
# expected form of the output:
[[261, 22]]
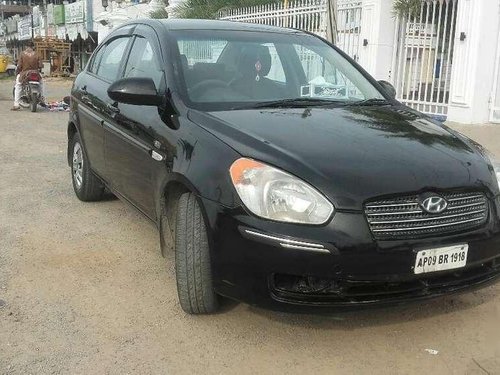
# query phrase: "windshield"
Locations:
[[245, 69]]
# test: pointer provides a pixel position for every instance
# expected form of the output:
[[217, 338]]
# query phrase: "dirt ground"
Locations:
[[84, 290]]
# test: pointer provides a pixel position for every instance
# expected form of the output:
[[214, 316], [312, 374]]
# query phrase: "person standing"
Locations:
[[28, 61]]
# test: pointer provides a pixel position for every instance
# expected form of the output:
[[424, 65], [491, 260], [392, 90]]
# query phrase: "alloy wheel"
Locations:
[[78, 165]]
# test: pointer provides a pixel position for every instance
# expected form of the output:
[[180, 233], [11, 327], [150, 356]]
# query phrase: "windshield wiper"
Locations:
[[367, 102], [292, 103]]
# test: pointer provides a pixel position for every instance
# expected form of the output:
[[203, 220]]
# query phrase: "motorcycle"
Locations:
[[31, 94]]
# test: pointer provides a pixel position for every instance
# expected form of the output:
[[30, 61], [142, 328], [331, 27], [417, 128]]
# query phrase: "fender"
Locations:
[[200, 162]]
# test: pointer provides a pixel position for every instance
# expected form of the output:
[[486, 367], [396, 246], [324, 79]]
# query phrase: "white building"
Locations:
[[119, 12]]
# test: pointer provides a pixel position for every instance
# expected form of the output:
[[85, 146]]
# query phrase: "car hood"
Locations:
[[352, 154]]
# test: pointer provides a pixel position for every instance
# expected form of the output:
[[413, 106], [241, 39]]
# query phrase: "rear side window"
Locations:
[[111, 59], [94, 63], [143, 62]]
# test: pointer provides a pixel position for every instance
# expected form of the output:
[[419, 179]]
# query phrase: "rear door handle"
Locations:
[[157, 156]]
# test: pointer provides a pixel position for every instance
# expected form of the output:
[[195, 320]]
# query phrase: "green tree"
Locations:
[[208, 9]]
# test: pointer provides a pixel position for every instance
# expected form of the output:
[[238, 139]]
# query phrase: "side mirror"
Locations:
[[136, 91], [389, 88]]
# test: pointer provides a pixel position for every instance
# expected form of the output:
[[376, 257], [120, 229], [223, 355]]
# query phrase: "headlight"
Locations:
[[494, 162], [276, 195], [496, 168]]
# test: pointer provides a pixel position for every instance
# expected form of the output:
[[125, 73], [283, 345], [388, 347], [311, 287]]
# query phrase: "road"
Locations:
[[84, 290]]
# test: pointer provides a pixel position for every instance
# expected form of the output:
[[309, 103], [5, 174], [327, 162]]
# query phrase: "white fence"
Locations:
[[308, 15], [423, 59], [349, 27]]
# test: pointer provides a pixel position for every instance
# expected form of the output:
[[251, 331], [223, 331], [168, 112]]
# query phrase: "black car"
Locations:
[[280, 172]]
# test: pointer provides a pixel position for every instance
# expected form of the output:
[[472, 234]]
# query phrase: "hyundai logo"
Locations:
[[434, 204]]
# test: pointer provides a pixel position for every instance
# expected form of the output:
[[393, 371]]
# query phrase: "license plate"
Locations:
[[441, 259]]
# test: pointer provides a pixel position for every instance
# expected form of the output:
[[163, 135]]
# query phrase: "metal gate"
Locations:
[[495, 93], [423, 59]]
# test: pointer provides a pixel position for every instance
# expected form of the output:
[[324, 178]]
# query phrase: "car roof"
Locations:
[[195, 24]]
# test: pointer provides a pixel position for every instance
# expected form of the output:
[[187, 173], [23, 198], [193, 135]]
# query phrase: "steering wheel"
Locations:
[[200, 88]]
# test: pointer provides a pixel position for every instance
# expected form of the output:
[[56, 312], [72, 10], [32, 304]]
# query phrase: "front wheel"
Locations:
[[34, 102], [192, 259], [86, 185]]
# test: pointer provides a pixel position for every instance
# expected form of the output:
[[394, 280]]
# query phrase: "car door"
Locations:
[[92, 94], [91, 130], [131, 147]]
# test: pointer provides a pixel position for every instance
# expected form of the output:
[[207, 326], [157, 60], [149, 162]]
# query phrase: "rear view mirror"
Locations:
[[136, 91], [388, 88]]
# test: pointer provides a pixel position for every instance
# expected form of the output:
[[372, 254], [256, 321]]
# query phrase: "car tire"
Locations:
[[87, 187], [192, 259]]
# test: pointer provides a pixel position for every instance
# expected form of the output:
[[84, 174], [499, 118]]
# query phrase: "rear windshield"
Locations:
[[229, 69]]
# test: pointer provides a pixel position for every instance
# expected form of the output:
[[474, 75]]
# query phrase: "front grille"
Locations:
[[403, 217]]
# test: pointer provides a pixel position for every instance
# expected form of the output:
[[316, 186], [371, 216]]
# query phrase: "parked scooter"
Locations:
[[31, 94]]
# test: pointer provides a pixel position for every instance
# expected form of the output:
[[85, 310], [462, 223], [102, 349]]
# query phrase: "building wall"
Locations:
[[474, 70]]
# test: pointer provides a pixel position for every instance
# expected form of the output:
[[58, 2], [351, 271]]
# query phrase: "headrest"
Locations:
[[255, 60]]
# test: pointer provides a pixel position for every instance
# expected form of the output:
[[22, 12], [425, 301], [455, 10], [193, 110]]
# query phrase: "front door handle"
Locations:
[[84, 94], [113, 108]]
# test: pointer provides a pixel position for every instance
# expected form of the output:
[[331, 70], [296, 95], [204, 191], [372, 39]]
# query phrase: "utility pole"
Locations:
[[31, 14], [46, 24], [331, 32]]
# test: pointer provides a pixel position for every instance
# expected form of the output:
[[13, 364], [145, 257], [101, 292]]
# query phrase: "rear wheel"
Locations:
[[192, 259], [34, 102], [87, 186]]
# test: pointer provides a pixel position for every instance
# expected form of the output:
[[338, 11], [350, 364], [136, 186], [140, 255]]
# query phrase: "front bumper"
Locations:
[[344, 264]]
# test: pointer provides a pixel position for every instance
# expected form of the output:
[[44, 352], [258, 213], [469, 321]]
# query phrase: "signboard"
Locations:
[[24, 28], [59, 14], [36, 16], [51, 30], [74, 12], [11, 25], [50, 14]]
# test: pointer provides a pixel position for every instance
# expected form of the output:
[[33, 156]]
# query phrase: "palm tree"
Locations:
[[208, 9], [160, 10]]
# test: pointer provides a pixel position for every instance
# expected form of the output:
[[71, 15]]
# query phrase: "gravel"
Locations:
[[84, 289]]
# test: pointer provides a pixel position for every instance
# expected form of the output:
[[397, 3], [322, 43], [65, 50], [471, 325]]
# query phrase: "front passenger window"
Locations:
[[112, 58]]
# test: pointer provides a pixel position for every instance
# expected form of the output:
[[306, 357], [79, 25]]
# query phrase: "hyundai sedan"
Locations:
[[278, 171]]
